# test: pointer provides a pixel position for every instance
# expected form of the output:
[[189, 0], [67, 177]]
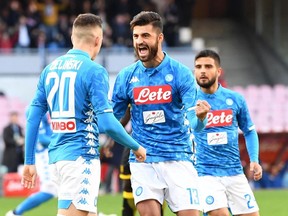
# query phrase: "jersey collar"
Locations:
[[215, 94], [78, 52], [151, 71]]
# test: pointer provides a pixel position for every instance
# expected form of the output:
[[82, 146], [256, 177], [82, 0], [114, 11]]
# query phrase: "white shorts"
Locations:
[[174, 181], [44, 173], [78, 183], [228, 191]]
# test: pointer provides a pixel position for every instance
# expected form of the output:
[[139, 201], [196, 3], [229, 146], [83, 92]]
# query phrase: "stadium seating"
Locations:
[[268, 106]]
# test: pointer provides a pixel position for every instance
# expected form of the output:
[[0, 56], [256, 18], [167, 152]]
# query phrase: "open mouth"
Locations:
[[143, 50]]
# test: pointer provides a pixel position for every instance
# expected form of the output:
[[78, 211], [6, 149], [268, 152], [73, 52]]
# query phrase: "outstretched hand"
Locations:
[[29, 176], [140, 154]]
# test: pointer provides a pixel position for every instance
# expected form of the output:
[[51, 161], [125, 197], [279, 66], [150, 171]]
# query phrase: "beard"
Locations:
[[206, 84], [152, 52]]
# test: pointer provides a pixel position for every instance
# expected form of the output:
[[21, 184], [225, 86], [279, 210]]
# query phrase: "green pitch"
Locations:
[[271, 203]]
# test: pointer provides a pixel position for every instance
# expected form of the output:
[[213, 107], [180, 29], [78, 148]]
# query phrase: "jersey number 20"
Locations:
[[64, 87]]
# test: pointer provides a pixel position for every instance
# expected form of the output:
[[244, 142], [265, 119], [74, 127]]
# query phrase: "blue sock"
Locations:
[[32, 201]]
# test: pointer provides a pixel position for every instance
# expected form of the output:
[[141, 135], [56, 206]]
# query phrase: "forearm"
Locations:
[[112, 127], [252, 145], [32, 126], [195, 123]]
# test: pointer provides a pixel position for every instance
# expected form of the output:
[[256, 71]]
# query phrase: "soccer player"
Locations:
[[223, 183], [48, 189], [161, 91], [74, 89]]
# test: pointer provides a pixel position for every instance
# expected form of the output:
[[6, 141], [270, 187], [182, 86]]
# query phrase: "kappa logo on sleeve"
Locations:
[[152, 94], [219, 118]]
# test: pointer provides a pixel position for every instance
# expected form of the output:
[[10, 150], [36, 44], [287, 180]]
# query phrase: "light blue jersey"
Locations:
[[217, 149], [74, 89], [159, 98]]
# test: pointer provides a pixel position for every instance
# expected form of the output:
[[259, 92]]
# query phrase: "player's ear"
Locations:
[[96, 41], [161, 37], [220, 71], [99, 37]]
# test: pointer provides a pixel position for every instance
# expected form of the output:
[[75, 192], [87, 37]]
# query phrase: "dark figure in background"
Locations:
[[113, 161], [185, 15], [273, 175], [119, 14], [171, 27], [14, 141]]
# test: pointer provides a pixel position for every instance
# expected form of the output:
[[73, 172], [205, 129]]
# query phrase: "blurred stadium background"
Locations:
[[250, 35]]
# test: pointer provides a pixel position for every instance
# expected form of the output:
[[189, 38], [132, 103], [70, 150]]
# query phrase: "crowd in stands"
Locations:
[[38, 23]]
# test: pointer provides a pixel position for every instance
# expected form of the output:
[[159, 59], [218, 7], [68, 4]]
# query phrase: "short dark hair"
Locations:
[[145, 18], [87, 20], [209, 53]]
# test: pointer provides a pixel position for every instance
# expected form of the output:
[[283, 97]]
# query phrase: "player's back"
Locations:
[[71, 84]]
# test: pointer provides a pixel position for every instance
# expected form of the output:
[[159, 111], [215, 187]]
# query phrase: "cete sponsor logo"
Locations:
[[219, 118], [152, 94]]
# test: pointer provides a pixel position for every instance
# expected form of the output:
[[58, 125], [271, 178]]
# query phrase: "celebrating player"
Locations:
[[223, 183], [161, 91], [74, 89]]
